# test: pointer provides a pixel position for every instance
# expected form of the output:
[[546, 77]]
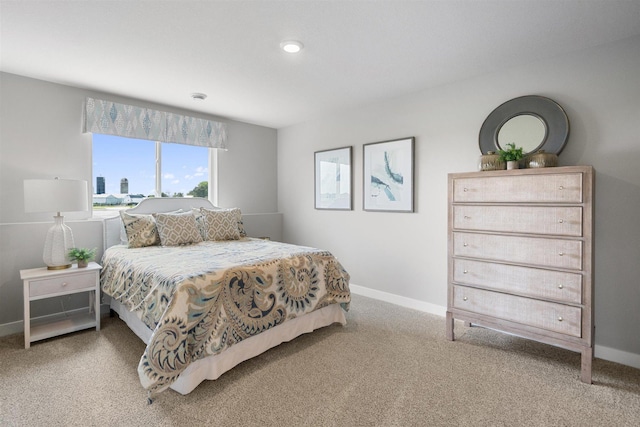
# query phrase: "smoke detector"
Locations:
[[199, 96]]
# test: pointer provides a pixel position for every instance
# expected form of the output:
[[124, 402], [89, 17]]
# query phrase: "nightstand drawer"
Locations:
[[62, 284]]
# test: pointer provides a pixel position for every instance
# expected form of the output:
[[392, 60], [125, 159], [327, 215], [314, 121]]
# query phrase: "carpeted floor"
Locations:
[[389, 366]]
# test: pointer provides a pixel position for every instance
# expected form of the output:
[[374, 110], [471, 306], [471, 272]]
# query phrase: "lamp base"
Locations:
[[57, 245], [58, 267]]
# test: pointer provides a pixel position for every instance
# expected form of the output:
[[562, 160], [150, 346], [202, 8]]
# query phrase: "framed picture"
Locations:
[[388, 175], [333, 179]]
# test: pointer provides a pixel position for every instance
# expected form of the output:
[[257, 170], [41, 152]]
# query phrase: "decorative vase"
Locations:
[[490, 162], [542, 159], [513, 164], [82, 263]]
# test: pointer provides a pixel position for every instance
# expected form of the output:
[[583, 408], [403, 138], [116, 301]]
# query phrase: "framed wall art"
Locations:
[[388, 175], [333, 181]]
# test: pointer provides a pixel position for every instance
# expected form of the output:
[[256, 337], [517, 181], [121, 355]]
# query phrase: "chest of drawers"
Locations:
[[521, 255]]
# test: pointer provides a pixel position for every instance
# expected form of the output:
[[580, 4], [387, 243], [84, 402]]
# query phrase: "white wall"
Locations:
[[41, 137], [405, 254]]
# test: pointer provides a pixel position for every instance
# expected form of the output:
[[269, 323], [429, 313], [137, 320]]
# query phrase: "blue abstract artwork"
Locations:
[[388, 175]]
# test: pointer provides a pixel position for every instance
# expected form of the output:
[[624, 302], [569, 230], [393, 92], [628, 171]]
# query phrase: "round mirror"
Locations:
[[531, 122], [525, 130]]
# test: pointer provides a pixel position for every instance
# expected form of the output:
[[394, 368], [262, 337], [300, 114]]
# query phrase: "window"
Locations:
[[127, 170]]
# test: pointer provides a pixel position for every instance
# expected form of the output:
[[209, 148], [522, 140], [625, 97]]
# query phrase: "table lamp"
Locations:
[[56, 195]]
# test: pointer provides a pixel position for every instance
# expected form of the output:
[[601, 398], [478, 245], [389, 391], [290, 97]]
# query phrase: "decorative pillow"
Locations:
[[221, 224], [177, 229], [124, 240], [241, 225], [202, 228], [140, 230]]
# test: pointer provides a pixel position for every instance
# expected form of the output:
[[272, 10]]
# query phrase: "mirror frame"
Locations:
[[552, 115]]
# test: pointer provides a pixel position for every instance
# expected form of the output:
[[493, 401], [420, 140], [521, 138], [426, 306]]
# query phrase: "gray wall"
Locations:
[[403, 256], [41, 137]]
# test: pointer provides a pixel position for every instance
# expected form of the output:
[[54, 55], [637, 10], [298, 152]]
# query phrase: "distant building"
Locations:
[[117, 199], [124, 186], [132, 199], [100, 185], [106, 200]]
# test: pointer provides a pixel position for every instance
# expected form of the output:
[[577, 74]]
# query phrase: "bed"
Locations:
[[203, 304]]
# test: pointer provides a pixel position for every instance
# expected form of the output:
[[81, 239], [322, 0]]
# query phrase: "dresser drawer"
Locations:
[[559, 221], [540, 314], [62, 284], [538, 251], [533, 282], [548, 188]]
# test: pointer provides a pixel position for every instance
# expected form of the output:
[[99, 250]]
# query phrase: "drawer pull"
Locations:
[[464, 298], [560, 286], [560, 221], [465, 272], [467, 217], [561, 254], [465, 189], [64, 283], [560, 319], [561, 188], [465, 244]]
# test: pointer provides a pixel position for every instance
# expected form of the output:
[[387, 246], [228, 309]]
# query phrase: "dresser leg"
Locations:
[[449, 321], [587, 361]]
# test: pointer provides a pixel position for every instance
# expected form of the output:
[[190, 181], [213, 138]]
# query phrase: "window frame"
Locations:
[[212, 166]]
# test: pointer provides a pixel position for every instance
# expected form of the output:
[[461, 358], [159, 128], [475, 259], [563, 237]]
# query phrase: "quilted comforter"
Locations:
[[201, 299]]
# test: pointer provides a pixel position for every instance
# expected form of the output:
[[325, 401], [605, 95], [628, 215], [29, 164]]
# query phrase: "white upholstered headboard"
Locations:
[[111, 226]]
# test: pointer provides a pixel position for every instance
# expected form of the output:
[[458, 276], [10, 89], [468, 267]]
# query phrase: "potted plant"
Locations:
[[82, 256], [511, 155]]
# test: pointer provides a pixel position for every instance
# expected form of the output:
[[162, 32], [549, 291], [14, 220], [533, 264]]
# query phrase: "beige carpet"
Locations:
[[388, 367]]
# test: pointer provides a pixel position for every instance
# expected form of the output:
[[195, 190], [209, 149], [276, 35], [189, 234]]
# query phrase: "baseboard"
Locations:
[[399, 300], [618, 356], [18, 327], [601, 352]]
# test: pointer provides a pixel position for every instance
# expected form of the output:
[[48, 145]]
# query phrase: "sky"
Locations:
[[183, 166]]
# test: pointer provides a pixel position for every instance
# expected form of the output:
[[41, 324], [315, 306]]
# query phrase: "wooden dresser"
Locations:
[[521, 255]]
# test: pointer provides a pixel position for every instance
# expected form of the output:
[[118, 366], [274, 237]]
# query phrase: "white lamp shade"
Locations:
[[55, 195]]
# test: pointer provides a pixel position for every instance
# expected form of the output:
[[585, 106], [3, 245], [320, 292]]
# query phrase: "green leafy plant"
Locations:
[[82, 254], [511, 153]]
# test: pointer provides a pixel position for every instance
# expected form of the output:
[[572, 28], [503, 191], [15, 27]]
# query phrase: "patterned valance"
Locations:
[[112, 118]]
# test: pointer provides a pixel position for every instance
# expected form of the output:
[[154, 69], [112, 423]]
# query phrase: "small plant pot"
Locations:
[[512, 165], [82, 263]]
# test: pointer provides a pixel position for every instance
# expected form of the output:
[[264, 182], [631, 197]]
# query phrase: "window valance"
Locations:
[[112, 118]]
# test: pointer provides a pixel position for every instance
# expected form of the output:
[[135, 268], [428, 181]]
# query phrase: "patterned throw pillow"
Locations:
[[241, 225], [222, 224], [140, 230], [202, 228], [177, 229]]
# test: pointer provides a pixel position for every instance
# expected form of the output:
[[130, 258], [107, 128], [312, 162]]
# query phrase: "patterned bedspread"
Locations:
[[203, 298]]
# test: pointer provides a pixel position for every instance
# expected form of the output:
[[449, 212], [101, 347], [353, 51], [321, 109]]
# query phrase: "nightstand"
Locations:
[[40, 283]]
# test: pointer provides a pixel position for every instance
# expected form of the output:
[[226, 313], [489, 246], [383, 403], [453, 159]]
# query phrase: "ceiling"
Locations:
[[355, 52]]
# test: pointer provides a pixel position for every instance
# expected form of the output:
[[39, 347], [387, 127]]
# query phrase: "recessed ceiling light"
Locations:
[[291, 46], [199, 96]]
